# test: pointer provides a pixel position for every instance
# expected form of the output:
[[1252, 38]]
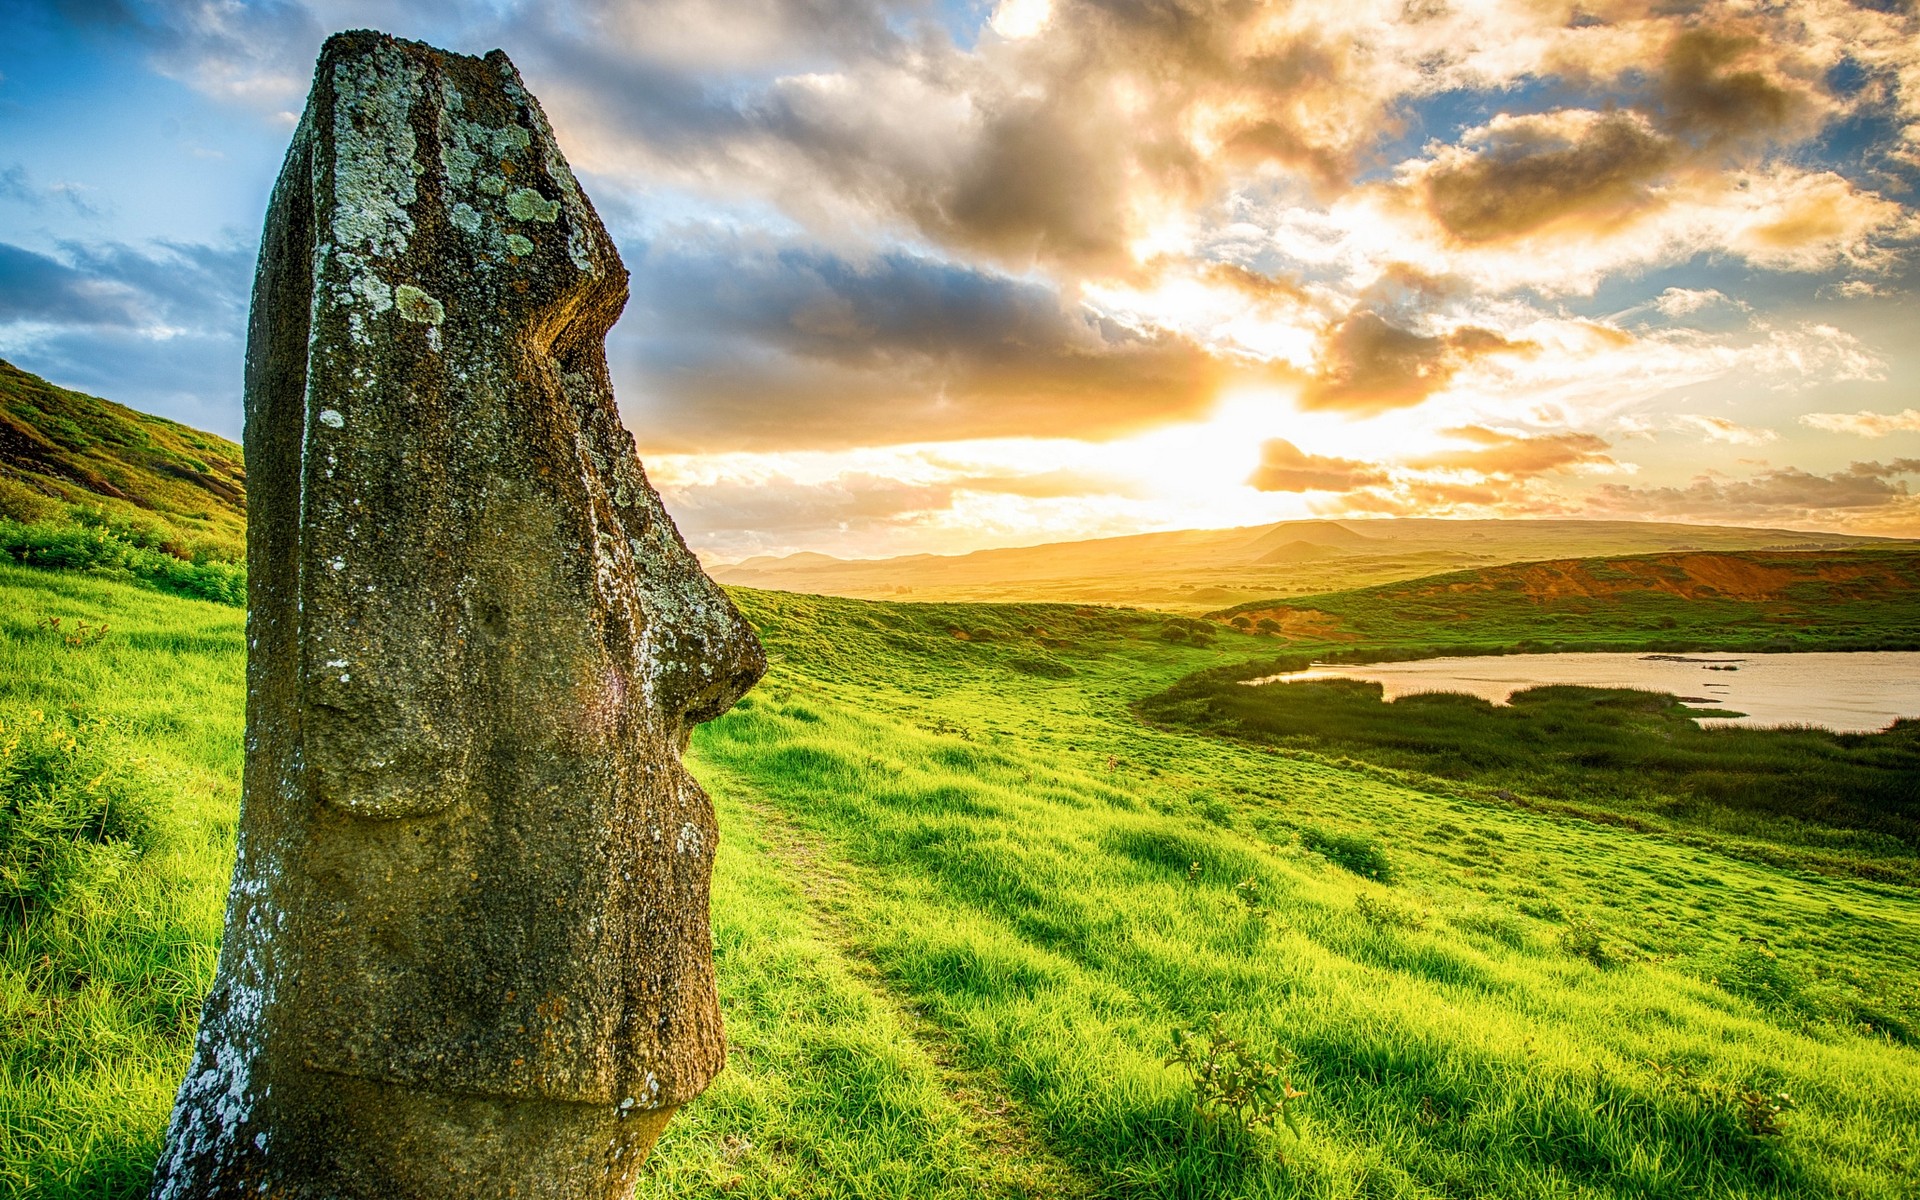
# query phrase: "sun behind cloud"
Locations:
[[911, 278]]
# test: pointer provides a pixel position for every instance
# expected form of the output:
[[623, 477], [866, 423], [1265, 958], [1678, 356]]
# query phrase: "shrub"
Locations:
[[1382, 913], [1752, 971], [1355, 852], [117, 553], [1045, 668], [73, 808], [1233, 1081], [1582, 939]]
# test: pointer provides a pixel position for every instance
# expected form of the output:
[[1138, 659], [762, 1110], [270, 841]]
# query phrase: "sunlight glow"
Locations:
[[1016, 20]]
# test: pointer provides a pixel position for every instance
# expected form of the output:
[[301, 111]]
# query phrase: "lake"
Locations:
[[1848, 693]]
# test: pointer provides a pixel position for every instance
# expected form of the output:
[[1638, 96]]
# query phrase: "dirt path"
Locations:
[[1001, 1128]]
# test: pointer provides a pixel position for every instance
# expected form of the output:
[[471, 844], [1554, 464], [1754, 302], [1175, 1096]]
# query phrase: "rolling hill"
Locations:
[[1195, 571], [67, 457], [967, 905], [146, 488], [1861, 598]]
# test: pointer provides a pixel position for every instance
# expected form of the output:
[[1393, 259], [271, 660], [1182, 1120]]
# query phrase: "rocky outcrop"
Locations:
[[467, 950]]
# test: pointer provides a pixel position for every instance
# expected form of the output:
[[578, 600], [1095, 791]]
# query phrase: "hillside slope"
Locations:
[[68, 457], [1861, 598], [1196, 570], [964, 902]]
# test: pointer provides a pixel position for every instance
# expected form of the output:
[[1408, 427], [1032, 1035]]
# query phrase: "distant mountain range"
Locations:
[[67, 457], [1199, 570]]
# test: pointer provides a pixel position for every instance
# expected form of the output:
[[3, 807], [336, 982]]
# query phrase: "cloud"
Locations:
[[1734, 84], [1284, 467], [1719, 429], [1050, 485], [169, 288], [1866, 424], [749, 343], [17, 185], [1681, 302], [1568, 171], [160, 328], [882, 223], [1517, 456], [260, 54], [1370, 365], [1782, 495], [784, 507]]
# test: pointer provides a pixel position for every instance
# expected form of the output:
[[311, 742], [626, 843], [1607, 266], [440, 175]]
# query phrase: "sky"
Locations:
[[913, 275]]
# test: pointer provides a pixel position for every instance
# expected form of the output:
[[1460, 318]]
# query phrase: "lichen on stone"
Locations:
[[528, 205], [418, 306], [373, 147]]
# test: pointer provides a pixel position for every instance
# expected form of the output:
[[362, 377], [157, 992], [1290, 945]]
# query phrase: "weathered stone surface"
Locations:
[[467, 950]]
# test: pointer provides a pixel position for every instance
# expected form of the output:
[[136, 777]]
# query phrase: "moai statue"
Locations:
[[467, 950]]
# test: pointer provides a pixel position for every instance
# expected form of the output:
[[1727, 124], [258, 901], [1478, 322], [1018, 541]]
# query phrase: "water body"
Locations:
[[1847, 693]]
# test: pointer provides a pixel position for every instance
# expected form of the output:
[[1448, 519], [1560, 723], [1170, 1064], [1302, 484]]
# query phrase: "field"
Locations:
[[966, 900]]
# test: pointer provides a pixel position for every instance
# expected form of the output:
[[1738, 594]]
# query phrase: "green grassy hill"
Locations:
[[69, 456], [964, 903], [90, 485], [1857, 598]]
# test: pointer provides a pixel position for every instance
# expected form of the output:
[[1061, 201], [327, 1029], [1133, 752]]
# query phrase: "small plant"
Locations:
[[1247, 891], [1193, 872], [1351, 851], [1761, 1111], [1235, 1082], [1582, 939], [81, 634], [73, 810], [1756, 1110], [1382, 913]]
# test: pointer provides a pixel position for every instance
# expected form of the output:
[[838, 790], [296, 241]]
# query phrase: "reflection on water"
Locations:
[[1848, 693]]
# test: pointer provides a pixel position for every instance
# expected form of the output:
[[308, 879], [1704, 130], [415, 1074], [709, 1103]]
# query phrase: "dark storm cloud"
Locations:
[[1284, 467], [896, 348]]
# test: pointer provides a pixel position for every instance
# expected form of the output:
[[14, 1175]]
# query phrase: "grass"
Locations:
[[1848, 802], [965, 901], [103, 959]]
